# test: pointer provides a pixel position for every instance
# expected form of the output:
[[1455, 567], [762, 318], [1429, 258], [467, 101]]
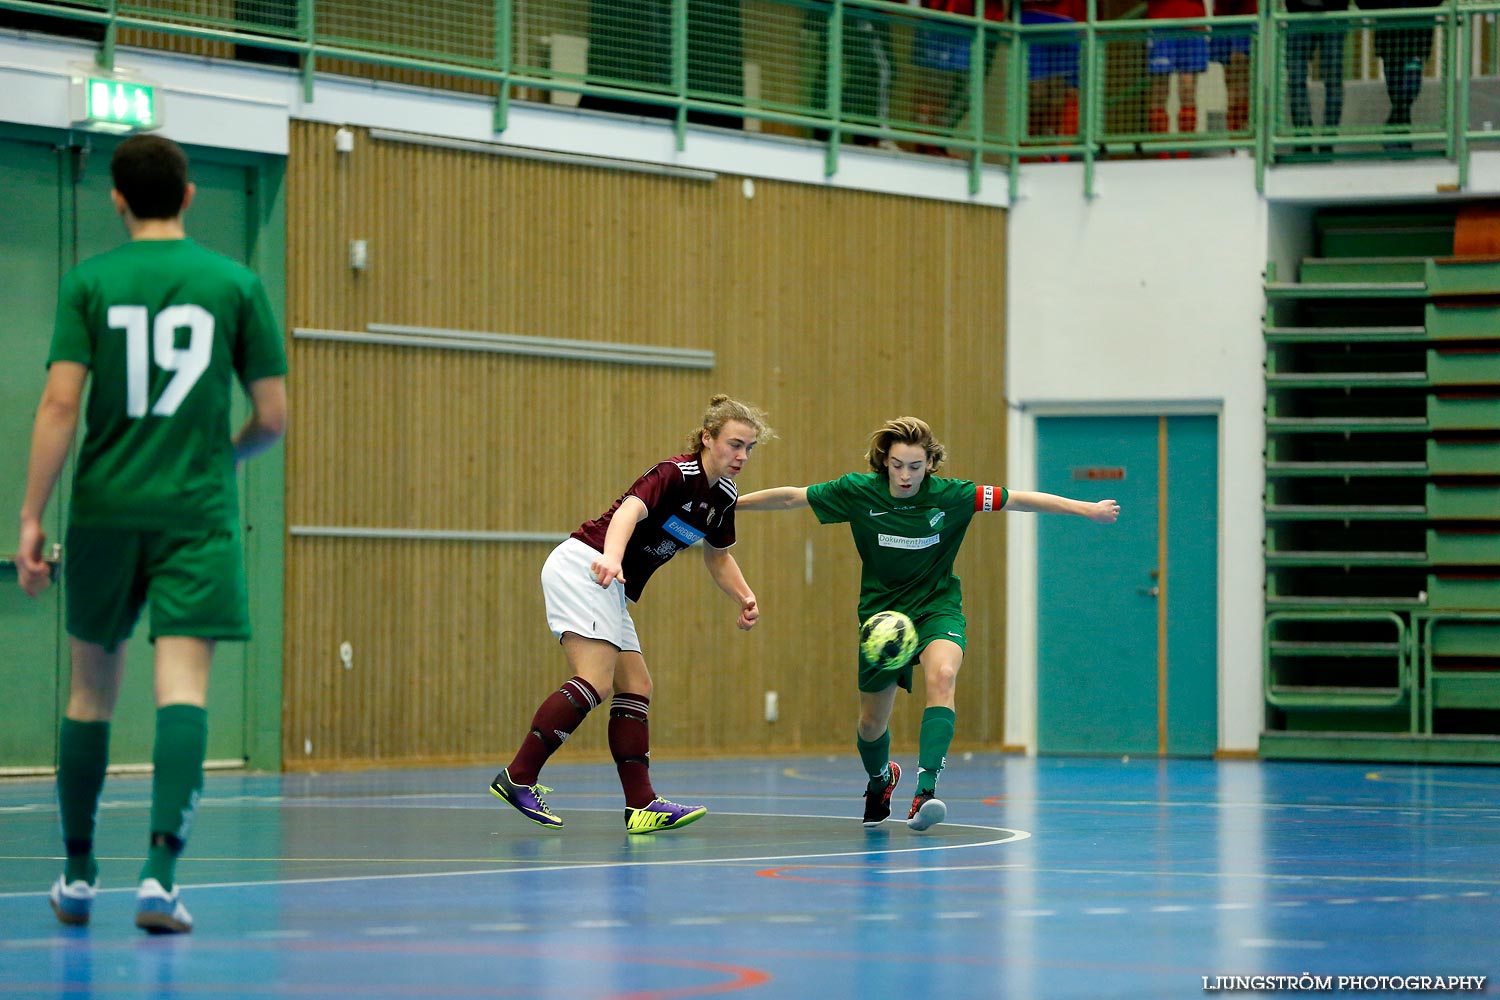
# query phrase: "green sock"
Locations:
[[875, 755], [932, 746], [82, 756], [181, 744]]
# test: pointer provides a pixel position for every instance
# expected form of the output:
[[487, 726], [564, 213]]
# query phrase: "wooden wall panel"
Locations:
[[832, 309]]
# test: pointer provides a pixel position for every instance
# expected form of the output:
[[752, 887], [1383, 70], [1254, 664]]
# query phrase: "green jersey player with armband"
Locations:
[[908, 524], [160, 329]]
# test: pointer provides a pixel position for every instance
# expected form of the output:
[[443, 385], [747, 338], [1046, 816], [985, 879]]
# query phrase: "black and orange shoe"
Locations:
[[878, 802], [926, 811]]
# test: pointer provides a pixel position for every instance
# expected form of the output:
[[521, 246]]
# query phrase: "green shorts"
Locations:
[[194, 583], [934, 625]]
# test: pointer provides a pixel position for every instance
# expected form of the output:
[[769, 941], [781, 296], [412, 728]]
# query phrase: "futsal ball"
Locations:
[[887, 640]]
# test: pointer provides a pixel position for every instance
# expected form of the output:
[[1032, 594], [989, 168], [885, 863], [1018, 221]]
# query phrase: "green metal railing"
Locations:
[[881, 73]]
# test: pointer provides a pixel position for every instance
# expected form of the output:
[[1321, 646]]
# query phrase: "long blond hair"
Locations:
[[721, 410], [905, 430]]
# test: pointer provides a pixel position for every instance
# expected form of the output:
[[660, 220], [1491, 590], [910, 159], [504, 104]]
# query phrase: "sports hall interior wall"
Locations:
[[833, 309]]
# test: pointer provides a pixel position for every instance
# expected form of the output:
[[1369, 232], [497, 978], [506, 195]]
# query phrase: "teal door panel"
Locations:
[[1192, 587], [1095, 626], [31, 667], [1104, 645]]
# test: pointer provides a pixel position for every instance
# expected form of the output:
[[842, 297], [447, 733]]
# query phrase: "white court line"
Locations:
[[1267, 877], [1011, 836], [1276, 943], [952, 868], [278, 935]]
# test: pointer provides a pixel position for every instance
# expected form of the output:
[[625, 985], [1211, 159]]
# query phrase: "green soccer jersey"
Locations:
[[165, 328], [906, 546]]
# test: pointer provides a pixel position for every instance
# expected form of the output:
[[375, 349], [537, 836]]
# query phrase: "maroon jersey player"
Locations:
[[590, 580]]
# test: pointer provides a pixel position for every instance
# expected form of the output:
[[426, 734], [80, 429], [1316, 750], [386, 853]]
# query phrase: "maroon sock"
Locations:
[[554, 721], [630, 744]]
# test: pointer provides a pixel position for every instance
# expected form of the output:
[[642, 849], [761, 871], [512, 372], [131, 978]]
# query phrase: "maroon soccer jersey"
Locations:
[[682, 507]]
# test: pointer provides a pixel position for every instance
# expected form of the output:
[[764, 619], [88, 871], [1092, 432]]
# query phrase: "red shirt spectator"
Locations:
[[1175, 8], [994, 10]]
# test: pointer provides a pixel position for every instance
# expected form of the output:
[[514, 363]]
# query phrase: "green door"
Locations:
[[69, 195], [32, 670], [1127, 633]]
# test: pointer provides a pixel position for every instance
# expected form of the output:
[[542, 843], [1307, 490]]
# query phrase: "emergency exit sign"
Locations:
[[113, 105]]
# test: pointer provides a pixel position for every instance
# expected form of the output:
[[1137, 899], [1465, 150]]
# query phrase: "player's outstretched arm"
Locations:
[[607, 568], [267, 421], [726, 573], [775, 498], [1027, 502], [51, 443]]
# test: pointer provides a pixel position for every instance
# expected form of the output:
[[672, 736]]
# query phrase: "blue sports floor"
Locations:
[[1056, 878]]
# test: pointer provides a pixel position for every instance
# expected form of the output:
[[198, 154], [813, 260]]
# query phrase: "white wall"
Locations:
[[1148, 299], [1145, 299]]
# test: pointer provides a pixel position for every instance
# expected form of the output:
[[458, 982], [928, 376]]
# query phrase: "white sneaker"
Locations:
[[72, 901], [158, 911], [926, 812]]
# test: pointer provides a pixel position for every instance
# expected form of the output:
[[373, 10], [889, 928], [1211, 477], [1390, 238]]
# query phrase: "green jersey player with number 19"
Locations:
[[160, 329], [908, 525]]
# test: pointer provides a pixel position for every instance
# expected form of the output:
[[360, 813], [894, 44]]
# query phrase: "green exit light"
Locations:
[[115, 105]]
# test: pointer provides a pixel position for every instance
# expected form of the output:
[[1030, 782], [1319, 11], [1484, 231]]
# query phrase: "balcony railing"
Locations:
[[1404, 83]]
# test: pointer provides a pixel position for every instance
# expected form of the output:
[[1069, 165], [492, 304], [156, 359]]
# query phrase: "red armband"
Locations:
[[989, 497]]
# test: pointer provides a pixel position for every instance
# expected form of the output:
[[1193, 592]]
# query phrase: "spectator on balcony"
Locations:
[[1183, 52], [1403, 49], [868, 68], [1303, 42], [1230, 48], [940, 52], [1052, 68]]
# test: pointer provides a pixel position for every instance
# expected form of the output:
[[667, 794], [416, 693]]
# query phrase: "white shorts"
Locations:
[[576, 603]]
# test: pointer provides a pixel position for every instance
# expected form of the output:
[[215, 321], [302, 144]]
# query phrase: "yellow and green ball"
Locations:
[[887, 640]]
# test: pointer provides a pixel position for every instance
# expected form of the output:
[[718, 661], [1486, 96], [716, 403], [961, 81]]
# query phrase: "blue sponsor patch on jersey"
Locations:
[[682, 531]]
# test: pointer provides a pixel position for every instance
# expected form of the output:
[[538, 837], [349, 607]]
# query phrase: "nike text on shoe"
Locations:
[[878, 803], [72, 901], [926, 811], [158, 911], [527, 799], [661, 815]]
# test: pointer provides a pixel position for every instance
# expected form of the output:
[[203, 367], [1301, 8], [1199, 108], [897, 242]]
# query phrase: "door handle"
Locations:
[[8, 570], [1148, 591]]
